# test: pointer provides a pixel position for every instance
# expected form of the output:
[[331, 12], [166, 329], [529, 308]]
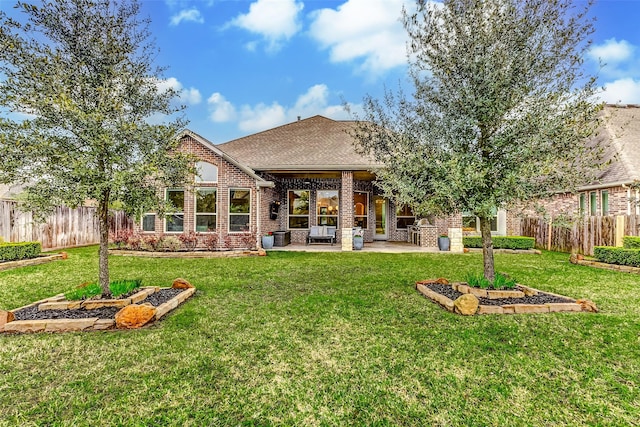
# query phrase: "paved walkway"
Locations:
[[381, 247]]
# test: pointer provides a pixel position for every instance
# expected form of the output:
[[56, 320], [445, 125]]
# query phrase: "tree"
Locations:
[[500, 111], [79, 74]]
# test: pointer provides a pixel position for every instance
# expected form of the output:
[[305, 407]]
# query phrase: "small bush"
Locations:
[[477, 281], [211, 241], [17, 251], [620, 256], [631, 242], [501, 242], [189, 240], [171, 244], [151, 242], [248, 240], [120, 238], [122, 287]]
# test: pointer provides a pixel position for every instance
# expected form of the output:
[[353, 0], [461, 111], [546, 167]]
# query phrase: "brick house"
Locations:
[[613, 192], [290, 178]]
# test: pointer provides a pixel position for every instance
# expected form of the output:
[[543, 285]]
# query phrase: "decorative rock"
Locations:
[[6, 317], [134, 316], [181, 284], [466, 304], [587, 305], [439, 280]]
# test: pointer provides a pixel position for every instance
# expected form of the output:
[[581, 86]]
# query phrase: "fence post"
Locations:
[[620, 227], [550, 232]]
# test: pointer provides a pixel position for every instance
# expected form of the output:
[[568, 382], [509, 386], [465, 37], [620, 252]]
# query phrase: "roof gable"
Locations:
[[316, 143]]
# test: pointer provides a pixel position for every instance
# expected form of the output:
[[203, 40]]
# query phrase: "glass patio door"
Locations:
[[381, 208]]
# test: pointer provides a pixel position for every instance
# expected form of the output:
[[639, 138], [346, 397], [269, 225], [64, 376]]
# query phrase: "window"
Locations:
[[206, 218], [583, 203], [174, 222], [328, 208], [471, 222], [149, 222], [299, 209], [206, 172], [604, 202], [404, 218], [593, 205], [361, 209], [239, 210]]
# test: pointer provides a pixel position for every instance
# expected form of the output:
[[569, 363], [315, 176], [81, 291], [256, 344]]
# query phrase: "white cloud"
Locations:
[[221, 109], [624, 91], [612, 51], [190, 96], [275, 20], [187, 15], [366, 31], [315, 101]]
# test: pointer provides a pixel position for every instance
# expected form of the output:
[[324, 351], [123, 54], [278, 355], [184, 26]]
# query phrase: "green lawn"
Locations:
[[328, 339]]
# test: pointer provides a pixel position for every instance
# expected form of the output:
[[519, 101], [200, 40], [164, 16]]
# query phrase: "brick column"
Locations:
[[346, 210]]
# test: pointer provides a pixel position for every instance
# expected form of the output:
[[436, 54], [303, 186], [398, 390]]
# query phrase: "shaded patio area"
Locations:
[[378, 246]]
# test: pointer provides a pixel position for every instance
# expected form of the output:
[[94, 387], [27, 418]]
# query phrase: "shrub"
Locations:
[[211, 241], [88, 290], [631, 242], [501, 242], [151, 242], [171, 244], [620, 256], [248, 240], [135, 242], [189, 240], [120, 238], [17, 251]]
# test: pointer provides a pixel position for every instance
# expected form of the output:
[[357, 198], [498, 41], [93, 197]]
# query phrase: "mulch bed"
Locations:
[[541, 298], [32, 313]]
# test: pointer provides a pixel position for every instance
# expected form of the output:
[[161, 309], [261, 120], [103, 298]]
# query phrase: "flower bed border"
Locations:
[[42, 259], [507, 251], [191, 254], [447, 303], [573, 259], [7, 324]]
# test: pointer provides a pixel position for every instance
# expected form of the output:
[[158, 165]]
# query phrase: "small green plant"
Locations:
[[501, 281], [84, 292], [118, 287]]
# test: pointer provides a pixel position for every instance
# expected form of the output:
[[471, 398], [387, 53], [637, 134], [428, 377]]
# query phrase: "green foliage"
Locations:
[[479, 281], [501, 242], [631, 242], [17, 251], [500, 110], [620, 256], [83, 292], [82, 75], [119, 287]]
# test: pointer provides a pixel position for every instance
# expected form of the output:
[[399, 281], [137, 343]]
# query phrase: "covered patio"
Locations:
[[376, 246]]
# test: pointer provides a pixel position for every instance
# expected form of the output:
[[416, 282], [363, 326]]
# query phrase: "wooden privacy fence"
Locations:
[[580, 235], [64, 228]]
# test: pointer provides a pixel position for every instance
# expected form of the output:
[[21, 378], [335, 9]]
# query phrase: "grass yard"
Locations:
[[328, 339]]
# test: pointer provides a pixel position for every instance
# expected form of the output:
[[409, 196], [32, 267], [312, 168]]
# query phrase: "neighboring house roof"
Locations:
[[622, 130], [312, 144], [202, 140]]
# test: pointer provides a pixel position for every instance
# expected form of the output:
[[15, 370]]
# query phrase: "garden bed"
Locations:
[[591, 262], [40, 259], [519, 301], [56, 314], [189, 254]]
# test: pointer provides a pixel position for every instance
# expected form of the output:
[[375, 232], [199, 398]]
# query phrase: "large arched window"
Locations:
[[206, 172]]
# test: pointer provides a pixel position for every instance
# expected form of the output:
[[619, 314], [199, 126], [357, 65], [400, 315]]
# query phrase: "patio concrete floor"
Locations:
[[378, 246]]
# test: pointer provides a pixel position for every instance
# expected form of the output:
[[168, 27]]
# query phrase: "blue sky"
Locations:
[[250, 65]]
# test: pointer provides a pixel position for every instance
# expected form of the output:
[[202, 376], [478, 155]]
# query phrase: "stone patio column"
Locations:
[[346, 210], [455, 240]]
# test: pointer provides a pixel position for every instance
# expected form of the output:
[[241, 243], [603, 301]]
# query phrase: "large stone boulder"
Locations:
[[134, 316], [587, 305], [466, 304], [181, 284], [6, 317]]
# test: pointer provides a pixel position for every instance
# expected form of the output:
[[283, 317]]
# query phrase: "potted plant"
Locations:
[[267, 241], [443, 242], [358, 241]]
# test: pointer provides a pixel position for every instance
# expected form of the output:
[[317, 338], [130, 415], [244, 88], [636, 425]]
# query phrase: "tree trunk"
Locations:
[[103, 252], [487, 249]]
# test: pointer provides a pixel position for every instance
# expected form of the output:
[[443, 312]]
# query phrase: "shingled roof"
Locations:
[[622, 129], [313, 144]]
